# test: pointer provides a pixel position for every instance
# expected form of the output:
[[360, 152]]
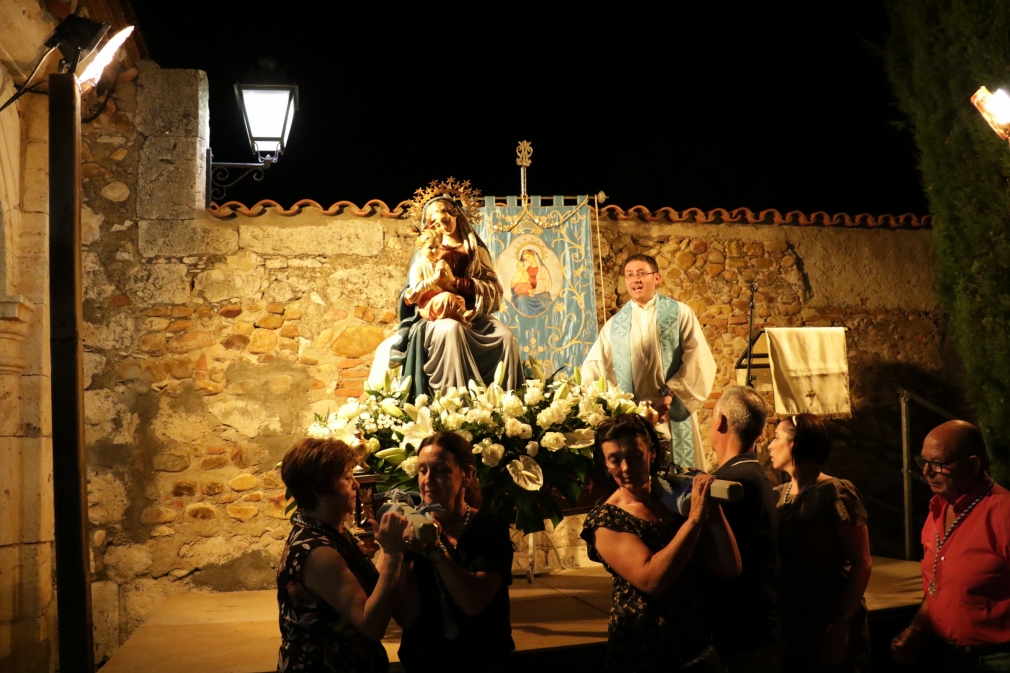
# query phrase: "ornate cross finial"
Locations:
[[524, 152]]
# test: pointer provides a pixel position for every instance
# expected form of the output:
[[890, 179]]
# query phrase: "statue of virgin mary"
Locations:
[[441, 353]]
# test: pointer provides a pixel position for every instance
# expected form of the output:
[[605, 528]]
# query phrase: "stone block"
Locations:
[[153, 343], [292, 314], [105, 618], [178, 238], [181, 368], [270, 321], [230, 311], [236, 342], [155, 324], [275, 308], [200, 511], [243, 482], [159, 284], [213, 462], [179, 326], [190, 342], [26, 495], [349, 237], [212, 487], [36, 407], [152, 516], [116, 191], [27, 572], [124, 562], [171, 461], [248, 418], [183, 488], [169, 171], [242, 327], [358, 340], [33, 258], [239, 277], [242, 512], [35, 184], [173, 103], [289, 332], [263, 341]]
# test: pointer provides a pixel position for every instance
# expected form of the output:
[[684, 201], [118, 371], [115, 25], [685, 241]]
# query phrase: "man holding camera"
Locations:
[[748, 627], [655, 349]]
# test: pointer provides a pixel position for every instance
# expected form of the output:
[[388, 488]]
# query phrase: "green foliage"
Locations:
[[938, 54]]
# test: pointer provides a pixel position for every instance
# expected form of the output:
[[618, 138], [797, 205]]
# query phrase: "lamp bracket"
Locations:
[[219, 174]]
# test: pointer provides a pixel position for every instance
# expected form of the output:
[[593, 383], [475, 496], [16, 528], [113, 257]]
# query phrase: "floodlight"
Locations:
[[995, 109]]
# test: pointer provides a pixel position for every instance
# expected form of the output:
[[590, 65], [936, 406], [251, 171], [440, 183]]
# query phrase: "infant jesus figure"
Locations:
[[429, 281]]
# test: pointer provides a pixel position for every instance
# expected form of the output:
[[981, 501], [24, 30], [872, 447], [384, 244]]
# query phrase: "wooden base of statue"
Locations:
[[363, 511]]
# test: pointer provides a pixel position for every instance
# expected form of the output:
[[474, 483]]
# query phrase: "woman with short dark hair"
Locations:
[[657, 616], [334, 603], [458, 608], [825, 554]]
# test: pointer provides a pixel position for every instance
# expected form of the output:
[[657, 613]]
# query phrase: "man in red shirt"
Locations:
[[966, 556]]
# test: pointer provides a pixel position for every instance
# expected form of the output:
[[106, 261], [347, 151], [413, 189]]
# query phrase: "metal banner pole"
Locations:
[[73, 573], [906, 472]]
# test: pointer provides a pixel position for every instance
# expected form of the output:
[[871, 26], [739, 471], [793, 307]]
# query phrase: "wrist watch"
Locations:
[[665, 392]]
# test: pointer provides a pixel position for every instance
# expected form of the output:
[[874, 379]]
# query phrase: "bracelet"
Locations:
[[437, 551]]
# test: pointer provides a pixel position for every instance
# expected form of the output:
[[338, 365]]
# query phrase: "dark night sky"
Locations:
[[716, 104]]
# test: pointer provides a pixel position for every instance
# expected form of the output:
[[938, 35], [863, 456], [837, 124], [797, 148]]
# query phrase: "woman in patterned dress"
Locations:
[[657, 617], [334, 603]]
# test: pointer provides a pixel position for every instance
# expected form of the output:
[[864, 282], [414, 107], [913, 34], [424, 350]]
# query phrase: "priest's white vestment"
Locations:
[[691, 383]]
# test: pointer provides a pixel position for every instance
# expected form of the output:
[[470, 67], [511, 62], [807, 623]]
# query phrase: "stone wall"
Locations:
[[27, 608], [212, 341]]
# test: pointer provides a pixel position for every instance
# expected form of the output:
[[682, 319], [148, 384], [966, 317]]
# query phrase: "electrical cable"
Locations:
[[24, 88]]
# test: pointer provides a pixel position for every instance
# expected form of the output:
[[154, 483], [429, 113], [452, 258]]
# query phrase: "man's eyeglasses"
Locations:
[[935, 465], [632, 275]]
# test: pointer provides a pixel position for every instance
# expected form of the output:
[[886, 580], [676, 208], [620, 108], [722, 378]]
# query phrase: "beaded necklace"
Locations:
[[950, 531]]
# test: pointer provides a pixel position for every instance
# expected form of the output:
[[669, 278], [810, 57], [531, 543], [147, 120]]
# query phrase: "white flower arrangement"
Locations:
[[533, 443]]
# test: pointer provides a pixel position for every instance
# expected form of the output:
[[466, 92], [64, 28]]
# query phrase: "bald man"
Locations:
[[966, 556]]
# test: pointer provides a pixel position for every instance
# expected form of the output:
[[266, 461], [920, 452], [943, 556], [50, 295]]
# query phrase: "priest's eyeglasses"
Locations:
[[632, 275], [936, 466]]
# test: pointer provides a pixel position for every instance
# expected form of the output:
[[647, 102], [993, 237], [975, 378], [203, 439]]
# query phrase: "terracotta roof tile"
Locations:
[[690, 215]]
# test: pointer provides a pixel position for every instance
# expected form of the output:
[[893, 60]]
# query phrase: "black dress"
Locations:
[[483, 642], [652, 633], [314, 636], [814, 573]]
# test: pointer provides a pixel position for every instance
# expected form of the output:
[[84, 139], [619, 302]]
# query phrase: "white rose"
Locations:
[[513, 427], [534, 396], [550, 416], [526, 432], [409, 465], [465, 434], [595, 419], [421, 401], [553, 441], [373, 445], [533, 449], [511, 405], [451, 420], [492, 455]]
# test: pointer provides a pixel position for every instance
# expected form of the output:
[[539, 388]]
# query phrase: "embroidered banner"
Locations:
[[543, 255]]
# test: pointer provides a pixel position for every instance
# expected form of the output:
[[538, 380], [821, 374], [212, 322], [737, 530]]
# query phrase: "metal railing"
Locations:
[[906, 396]]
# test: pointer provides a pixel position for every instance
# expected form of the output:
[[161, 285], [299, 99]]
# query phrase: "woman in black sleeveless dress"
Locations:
[[334, 604]]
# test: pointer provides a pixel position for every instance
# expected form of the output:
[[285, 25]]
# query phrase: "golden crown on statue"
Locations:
[[462, 194]]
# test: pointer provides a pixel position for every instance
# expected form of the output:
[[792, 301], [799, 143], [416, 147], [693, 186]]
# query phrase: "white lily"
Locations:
[[580, 439], [499, 373], [410, 410], [526, 473], [390, 406], [418, 430]]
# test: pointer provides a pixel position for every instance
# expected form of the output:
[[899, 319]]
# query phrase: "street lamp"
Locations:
[[995, 109], [268, 110]]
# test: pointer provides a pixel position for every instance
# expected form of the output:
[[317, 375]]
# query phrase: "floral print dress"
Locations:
[[651, 633], [314, 636]]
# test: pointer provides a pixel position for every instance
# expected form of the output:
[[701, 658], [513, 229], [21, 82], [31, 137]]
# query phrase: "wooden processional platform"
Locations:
[[238, 633]]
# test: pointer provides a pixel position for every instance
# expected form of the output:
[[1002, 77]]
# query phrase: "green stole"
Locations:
[[668, 319]]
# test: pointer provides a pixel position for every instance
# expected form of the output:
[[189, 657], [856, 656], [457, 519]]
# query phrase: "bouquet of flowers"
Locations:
[[533, 444]]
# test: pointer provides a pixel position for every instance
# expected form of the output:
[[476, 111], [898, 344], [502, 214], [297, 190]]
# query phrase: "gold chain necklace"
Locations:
[[950, 531]]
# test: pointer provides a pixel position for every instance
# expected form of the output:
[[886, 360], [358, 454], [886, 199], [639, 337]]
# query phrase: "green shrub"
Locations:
[[938, 53]]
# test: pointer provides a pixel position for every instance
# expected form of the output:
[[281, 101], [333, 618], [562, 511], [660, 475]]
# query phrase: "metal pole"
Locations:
[[750, 336], [906, 471], [73, 574]]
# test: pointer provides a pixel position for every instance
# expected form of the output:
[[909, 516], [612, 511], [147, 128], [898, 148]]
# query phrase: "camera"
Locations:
[[409, 505], [675, 490]]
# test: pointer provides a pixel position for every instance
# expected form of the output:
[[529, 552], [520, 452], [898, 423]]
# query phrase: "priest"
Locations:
[[654, 348]]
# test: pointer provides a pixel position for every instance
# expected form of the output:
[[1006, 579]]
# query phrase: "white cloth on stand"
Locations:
[[810, 371]]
